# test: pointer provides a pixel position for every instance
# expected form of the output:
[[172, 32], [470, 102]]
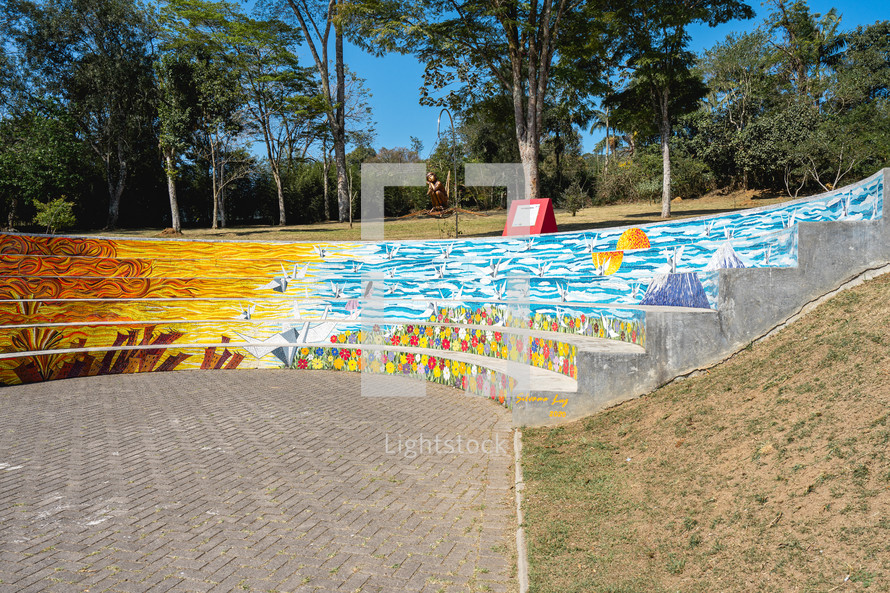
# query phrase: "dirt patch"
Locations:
[[769, 473]]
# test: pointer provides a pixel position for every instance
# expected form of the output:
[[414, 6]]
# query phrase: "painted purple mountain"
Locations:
[[725, 257], [676, 290]]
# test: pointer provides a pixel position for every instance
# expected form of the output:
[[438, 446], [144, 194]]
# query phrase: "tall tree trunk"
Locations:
[[116, 186], [334, 102], [663, 96], [528, 154], [274, 162], [282, 217], [215, 221], [171, 189], [326, 167], [342, 184], [222, 197], [340, 131], [10, 219], [527, 136]]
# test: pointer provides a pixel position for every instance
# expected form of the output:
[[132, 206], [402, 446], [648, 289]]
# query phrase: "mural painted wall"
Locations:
[[445, 311]]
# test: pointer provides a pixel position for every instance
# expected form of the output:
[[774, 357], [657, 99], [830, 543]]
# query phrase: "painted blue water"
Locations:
[[558, 269]]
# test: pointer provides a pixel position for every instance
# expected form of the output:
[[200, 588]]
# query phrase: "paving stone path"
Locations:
[[273, 481]]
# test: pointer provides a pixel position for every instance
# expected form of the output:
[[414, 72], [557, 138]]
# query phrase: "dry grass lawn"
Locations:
[[489, 223], [769, 473]]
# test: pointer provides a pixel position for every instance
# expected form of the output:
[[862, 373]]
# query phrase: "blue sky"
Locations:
[[394, 80]]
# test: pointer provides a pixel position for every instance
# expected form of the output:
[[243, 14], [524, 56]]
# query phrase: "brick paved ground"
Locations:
[[249, 481]]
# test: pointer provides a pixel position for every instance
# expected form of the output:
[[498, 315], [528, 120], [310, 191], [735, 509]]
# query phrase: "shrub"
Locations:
[[574, 197], [55, 214]]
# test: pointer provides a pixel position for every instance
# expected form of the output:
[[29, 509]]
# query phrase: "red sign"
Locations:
[[530, 217]]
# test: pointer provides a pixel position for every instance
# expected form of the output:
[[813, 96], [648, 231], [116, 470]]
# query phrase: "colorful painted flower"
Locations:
[[302, 363]]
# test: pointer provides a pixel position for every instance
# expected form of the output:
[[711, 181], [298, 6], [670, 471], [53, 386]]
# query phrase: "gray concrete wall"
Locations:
[[752, 302]]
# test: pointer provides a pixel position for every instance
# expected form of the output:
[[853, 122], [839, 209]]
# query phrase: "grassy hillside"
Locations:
[[769, 473]]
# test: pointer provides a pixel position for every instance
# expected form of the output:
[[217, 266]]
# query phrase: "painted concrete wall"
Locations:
[[554, 326], [751, 302]]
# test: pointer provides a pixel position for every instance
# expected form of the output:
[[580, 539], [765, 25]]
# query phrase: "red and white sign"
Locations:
[[530, 217]]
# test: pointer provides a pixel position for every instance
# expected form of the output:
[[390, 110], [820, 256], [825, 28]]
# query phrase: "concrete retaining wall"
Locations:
[[752, 302]]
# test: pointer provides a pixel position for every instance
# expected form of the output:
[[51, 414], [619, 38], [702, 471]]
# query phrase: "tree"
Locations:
[[95, 58], [39, 159], [177, 114], [488, 132], [850, 135], [565, 112], [360, 129], [317, 22], [808, 42], [485, 47], [199, 31], [737, 73], [863, 68], [653, 41], [278, 92]]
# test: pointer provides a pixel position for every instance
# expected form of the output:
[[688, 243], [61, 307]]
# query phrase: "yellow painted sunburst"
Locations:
[[610, 259], [633, 239]]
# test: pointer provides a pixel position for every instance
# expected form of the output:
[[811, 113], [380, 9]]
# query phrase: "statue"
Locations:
[[437, 193]]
